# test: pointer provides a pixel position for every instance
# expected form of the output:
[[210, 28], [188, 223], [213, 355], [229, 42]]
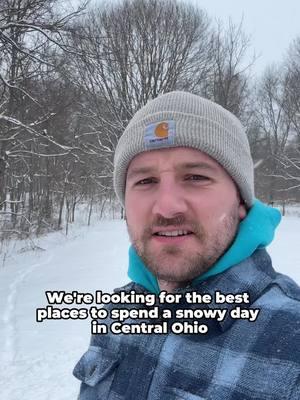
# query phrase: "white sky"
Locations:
[[272, 25]]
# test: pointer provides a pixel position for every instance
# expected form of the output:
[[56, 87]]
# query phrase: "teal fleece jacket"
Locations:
[[255, 231]]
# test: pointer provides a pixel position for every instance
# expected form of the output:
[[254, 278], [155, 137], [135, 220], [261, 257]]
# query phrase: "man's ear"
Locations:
[[242, 210]]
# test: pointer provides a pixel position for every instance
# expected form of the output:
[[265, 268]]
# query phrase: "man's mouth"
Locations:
[[174, 237], [173, 233]]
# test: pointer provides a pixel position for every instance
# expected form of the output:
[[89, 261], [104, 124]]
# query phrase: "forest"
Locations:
[[71, 78]]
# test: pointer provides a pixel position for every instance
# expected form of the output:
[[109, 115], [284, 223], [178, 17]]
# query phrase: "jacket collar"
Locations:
[[252, 275]]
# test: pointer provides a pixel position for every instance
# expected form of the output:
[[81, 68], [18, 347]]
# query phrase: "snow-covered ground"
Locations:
[[37, 358]]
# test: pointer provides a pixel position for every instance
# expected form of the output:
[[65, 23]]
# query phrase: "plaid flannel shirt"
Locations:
[[236, 360]]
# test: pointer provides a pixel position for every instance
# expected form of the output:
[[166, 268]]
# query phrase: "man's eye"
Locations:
[[197, 178], [145, 181]]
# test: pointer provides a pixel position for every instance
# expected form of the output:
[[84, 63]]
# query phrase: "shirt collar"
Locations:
[[252, 275]]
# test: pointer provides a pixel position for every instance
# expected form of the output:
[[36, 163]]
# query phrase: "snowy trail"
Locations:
[[9, 316], [37, 359]]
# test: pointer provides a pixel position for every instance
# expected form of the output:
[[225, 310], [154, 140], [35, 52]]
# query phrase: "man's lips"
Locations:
[[157, 230], [172, 239]]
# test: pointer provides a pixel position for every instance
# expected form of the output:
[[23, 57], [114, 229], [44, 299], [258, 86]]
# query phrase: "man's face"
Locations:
[[184, 193]]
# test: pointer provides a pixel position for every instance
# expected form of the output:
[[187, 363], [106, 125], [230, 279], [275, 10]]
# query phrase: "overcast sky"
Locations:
[[272, 25]]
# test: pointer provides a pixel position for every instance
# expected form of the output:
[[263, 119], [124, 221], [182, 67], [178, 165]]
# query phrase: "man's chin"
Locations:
[[174, 271], [174, 263], [179, 278]]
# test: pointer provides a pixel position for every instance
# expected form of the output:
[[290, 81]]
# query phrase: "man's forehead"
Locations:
[[180, 156]]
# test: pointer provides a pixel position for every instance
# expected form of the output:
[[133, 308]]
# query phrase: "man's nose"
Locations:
[[169, 200]]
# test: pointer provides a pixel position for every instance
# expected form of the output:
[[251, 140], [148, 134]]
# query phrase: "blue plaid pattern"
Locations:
[[235, 360]]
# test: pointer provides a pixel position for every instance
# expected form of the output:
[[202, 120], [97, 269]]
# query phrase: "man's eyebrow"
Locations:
[[197, 165], [139, 171], [187, 165]]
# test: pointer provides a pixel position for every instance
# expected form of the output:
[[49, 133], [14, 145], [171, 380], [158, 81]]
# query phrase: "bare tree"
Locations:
[[290, 171], [27, 28], [292, 76], [31, 44], [152, 47], [275, 121], [230, 73]]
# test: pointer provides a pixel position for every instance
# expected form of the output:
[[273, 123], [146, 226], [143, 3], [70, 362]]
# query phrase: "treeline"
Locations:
[[71, 80]]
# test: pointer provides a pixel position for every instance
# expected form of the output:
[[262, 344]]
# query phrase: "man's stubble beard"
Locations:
[[213, 246]]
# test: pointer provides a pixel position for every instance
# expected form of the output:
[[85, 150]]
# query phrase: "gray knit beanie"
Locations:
[[183, 119]]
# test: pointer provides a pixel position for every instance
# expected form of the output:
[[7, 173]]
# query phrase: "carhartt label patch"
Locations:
[[160, 134]]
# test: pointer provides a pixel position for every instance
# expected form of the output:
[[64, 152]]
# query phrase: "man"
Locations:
[[184, 173]]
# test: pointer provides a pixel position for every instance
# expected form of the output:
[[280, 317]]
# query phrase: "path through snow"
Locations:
[[37, 358]]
